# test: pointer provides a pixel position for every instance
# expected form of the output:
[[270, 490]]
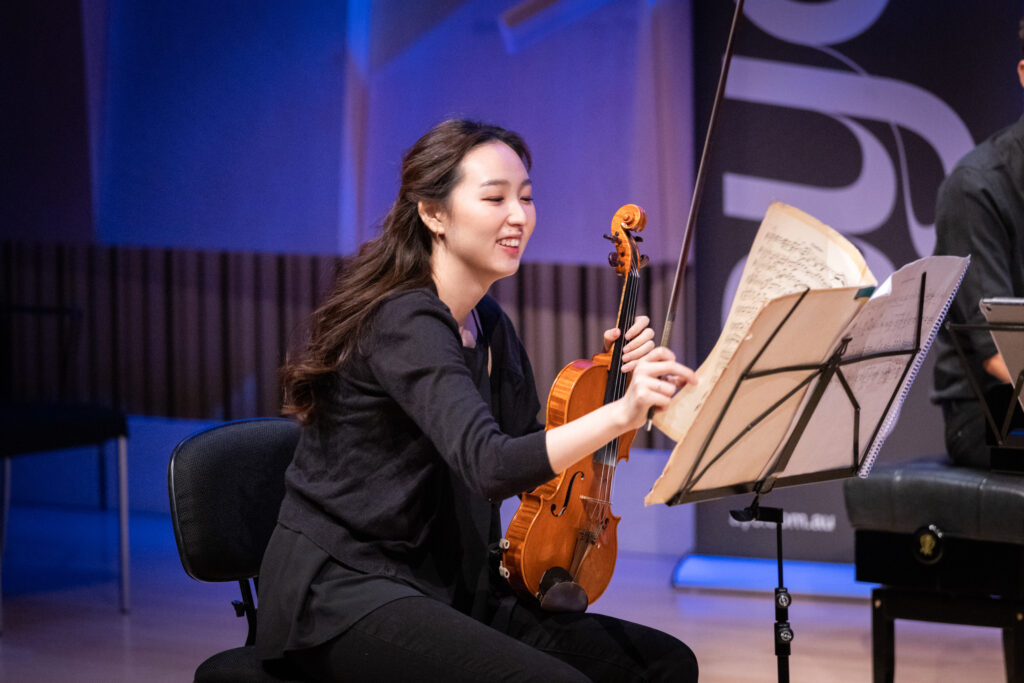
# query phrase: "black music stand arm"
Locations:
[[822, 373], [1001, 433]]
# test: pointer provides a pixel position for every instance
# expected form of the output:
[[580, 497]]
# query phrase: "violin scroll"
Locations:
[[628, 219]]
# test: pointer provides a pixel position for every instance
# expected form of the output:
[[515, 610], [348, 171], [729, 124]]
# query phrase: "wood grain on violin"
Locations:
[[561, 544]]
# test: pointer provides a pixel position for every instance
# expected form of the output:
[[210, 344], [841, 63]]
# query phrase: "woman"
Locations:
[[419, 416]]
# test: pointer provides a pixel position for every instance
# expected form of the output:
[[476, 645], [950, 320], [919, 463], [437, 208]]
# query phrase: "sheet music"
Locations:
[[1007, 311], [827, 313], [886, 323], [792, 251], [734, 430]]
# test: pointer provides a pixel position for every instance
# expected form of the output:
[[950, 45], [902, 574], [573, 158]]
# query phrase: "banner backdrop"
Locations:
[[854, 111]]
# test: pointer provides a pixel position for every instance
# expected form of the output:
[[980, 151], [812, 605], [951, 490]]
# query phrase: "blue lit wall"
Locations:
[[221, 125], [277, 126]]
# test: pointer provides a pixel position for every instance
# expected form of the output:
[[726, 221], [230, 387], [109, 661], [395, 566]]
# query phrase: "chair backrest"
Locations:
[[226, 484]]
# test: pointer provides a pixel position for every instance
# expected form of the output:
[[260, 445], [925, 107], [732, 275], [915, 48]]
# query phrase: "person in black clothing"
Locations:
[[418, 408], [980, 212]]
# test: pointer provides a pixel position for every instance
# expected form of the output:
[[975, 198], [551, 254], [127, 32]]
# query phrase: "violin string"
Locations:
[[610, 459], [619, 382]]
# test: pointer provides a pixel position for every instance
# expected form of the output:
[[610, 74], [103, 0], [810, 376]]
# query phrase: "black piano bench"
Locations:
[[947, 545]]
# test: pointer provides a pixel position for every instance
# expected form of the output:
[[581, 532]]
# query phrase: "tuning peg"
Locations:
[[613, 260], [644, 260], [638, 238]]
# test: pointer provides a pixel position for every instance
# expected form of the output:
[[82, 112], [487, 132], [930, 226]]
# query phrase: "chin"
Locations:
[[508, 272]]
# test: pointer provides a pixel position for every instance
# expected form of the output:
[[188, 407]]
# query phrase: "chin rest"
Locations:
[[947, 545]]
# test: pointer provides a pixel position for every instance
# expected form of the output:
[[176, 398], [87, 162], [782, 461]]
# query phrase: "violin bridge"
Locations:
[[597, 513]]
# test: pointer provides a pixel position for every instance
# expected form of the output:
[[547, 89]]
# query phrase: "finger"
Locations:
[[609, 338], [664, 386], [639, 323], [658, 354], [680, 376], [645, 335], [657, 394], [687, 376], [668, 370], [633, 357]]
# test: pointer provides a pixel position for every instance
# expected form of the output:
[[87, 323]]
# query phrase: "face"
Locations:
[[489, 217]]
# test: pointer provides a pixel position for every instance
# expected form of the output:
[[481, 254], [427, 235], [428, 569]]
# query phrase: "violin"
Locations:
[[561, 544]]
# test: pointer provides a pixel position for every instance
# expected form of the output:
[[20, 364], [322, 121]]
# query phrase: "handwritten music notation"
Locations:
[[792, 251], [802, 301]]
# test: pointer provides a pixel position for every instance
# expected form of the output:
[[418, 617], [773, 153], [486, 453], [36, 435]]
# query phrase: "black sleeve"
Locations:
[[514, 400], [968, 222], [415, 353]]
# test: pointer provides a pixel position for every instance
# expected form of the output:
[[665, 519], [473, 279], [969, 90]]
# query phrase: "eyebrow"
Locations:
[[490, 183]]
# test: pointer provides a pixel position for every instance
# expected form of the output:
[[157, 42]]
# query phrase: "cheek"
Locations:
[[531, 223]]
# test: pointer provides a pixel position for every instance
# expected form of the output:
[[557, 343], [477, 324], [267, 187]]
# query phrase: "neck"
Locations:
[[459, 292]]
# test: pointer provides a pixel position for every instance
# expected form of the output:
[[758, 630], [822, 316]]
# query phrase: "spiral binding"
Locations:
[[894, 410]]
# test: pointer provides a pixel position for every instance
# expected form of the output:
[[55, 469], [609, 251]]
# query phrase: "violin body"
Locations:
[[561, 545], [537, 535]]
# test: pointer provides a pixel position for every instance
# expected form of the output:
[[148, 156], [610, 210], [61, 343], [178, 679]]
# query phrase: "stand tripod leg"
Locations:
[[783, 631]]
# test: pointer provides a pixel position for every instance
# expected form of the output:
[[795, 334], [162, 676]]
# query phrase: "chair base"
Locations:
[[889, 604]]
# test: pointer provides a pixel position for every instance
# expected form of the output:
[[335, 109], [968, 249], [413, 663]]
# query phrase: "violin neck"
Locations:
[[617, 381]]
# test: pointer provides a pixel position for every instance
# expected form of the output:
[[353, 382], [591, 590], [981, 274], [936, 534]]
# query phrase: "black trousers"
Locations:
[[420, 639], [965, 434]]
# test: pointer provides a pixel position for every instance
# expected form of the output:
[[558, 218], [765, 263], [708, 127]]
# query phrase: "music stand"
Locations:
[[1005, 322], [813, 383], [830, 375]]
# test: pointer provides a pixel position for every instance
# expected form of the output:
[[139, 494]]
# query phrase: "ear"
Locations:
[[1020, 71], [432, 215]]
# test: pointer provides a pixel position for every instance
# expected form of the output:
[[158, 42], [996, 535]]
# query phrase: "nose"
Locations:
[[517, 213]]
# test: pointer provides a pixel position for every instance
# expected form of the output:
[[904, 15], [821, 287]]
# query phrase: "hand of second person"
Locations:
[[639, 341]]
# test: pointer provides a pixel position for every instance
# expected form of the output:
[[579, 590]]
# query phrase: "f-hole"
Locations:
[[568, 493]]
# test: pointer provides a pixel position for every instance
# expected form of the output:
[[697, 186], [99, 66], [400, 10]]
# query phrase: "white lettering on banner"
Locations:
[[837, 93], [859, 207], [819, 522], [867, 202], [820, 23]]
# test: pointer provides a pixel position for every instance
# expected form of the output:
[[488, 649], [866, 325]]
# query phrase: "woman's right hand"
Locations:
[[655, 380]]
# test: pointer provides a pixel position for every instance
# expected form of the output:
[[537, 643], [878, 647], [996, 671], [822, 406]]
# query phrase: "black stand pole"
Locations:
[[783, 631]]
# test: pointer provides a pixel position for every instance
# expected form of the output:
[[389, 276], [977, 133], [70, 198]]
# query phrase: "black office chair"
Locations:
[[226, 484], [58, 424]]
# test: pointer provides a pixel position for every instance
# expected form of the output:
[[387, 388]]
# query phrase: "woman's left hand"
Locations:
[[639, 341]]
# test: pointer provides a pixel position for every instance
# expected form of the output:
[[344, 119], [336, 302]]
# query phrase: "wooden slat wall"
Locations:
[[202, 334], [174, 333]]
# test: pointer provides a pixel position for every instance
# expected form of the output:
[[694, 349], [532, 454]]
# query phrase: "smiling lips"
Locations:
[[512, 242]]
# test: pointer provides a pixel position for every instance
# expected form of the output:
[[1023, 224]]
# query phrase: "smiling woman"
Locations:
[[481, 231], [418, 412]]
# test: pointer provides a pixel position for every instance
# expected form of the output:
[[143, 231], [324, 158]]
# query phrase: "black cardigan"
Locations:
[[402, 474]]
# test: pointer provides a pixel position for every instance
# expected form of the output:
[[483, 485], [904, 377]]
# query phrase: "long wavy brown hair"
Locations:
[[397, 259]]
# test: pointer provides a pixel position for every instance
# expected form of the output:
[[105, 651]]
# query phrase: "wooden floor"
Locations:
[[61, 621]]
